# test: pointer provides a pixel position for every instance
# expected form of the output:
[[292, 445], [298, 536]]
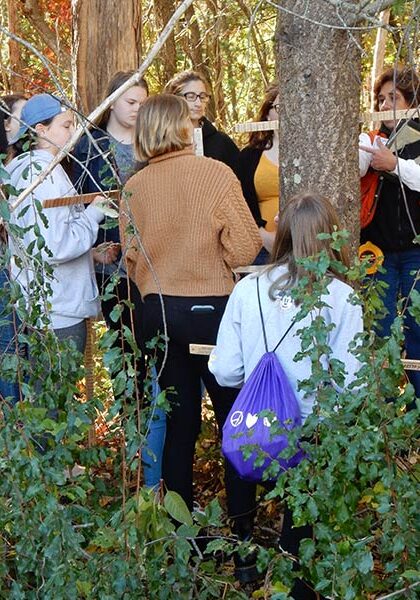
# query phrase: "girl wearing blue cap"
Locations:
[[69, 295]]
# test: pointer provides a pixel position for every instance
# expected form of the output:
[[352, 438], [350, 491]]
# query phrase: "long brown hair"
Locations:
[[263, 140], [300, 222], [117, 81]]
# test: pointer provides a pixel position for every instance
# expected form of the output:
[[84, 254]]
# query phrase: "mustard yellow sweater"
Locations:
[[189, 215]]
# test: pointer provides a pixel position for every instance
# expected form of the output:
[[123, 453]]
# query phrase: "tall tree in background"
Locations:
[[319, 56], [164, 9], [106, 39], [319, 69]]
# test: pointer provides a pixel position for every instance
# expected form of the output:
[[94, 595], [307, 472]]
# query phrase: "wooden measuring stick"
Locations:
[[386, 115], [80, 199], [205, 349], [249, 269]]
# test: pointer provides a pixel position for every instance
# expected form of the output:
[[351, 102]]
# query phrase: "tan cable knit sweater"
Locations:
[[193, 223]]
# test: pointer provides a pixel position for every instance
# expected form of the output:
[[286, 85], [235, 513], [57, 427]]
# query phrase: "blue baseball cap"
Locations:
[[37, 109]]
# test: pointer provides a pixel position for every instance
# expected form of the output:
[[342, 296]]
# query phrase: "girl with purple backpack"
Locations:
[[241, 341]]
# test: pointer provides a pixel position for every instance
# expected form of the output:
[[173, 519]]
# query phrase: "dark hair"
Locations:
[[28, 140], [263, 140], [117, 80], [406, 81], [10, 100], [300, 221], [3, 137]]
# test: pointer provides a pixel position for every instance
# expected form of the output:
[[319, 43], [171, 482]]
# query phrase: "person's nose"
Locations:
[[385, 105]]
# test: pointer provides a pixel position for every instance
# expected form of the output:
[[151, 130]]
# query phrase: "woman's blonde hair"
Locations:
[[300, 222], [163, 125]]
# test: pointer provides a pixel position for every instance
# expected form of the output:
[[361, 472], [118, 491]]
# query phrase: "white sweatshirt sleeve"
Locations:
[[364, 157], [409, 173], [226, 360], [407, 170], [68, 231]]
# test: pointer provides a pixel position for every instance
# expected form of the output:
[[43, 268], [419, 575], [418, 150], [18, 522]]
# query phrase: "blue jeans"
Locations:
[[8, 324], [400, 269], [155, 440]]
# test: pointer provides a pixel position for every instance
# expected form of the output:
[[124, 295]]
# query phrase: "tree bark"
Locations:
[[16, 82], [106, 39], [319, 107], [164, 10]]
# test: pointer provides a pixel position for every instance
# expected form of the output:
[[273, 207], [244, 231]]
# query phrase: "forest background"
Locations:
[[101, 535]]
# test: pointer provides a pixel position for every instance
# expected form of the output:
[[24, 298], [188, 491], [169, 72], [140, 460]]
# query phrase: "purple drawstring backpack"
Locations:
[[267, 389]]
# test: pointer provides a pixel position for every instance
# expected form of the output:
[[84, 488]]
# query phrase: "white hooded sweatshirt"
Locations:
[[240, 342], [69, 233]]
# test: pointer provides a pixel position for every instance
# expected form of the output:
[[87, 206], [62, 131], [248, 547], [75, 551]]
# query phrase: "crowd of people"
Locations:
[[186, 222]]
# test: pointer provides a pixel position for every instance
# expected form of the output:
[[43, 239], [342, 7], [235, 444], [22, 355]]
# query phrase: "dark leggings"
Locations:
[[125, 289], [290, 539], [184, 372]]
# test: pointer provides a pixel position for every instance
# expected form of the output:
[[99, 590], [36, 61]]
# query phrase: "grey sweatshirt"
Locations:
[[69, 234], [240, 342]]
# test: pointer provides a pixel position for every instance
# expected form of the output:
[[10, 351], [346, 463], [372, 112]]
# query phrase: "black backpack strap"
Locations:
[[261, 314], [263, 326], [284, 335]]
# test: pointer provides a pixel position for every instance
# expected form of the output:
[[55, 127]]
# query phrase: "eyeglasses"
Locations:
[[192, 96], [276, 108]]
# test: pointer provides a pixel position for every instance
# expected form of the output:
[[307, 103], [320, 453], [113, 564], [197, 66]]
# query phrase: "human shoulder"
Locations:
[[100, 137], [339, 292], [250, 151]]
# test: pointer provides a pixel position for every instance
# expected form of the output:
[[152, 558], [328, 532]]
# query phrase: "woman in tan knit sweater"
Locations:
[[185, 216]]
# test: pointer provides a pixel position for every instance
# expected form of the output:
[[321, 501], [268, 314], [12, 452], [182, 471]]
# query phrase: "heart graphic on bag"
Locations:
[[251, 420]]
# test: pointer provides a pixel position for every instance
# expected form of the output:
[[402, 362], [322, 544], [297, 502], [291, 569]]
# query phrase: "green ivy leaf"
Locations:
[[177, 508]]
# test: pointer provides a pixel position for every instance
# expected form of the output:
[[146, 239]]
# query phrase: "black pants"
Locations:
[[184, 372], [124, 290], [290, 539]]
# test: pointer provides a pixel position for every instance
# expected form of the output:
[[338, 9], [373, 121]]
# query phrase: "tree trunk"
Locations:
[[164, 10], [106, 39], [319, 108], [17, 84]]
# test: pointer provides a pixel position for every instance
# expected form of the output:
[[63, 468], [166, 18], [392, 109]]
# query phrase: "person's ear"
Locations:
[[40, 130], [7, 123]]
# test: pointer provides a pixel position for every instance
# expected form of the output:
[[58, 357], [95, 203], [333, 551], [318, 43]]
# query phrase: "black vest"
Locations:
[[397, 215]]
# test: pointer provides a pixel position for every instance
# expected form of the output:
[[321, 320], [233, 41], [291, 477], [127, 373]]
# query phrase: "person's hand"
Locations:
[[382, 157], [105, 205], [106, 253]]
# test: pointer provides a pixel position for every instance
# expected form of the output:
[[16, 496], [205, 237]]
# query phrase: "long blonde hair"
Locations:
[[300, 222]]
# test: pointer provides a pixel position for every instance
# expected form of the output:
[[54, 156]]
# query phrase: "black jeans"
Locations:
[[290, 539], [125, 289], [184, 372]]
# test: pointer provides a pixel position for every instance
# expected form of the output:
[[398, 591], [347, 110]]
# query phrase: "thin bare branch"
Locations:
[[353, 16], [399, 592], [34, 14], [108, 101]]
